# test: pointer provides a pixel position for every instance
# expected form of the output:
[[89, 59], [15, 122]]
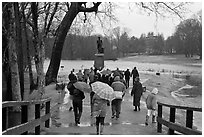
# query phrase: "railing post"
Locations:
[[37, 115], [172, 119], [189, 118], [24, 116], [159, 126], [47, 111], [4, 118]]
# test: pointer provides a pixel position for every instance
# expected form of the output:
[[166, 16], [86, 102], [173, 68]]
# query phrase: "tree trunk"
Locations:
[[6, 21], [19, 47], [32, 84], [39, 50], [15, 82], [51, 75]]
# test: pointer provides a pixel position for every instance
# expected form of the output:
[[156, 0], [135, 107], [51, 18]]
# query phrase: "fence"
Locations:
[[187, 130], [26, 125]]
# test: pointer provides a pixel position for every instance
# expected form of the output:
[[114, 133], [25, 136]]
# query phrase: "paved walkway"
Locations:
[[129, 123]]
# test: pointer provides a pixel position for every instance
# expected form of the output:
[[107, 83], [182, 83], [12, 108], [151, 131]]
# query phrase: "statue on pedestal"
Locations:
[[100, 46]]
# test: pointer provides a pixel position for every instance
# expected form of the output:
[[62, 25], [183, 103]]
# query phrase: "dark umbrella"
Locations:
[[82, 86]]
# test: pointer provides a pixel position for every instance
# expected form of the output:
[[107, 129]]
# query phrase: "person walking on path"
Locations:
[[119, 89], [136, 92], [80, 75], [151, 106], [71, 76], [77, 100], [99, 112], [127, 77], [72, 79], [91, 76], [135, 74]]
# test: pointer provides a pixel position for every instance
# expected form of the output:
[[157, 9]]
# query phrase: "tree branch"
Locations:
[[51, 17], [92, 9], [172, 9], [46, 10], [146, 7]]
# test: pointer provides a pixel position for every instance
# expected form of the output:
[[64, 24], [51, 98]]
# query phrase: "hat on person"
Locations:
[[155, 91], [117, 78]]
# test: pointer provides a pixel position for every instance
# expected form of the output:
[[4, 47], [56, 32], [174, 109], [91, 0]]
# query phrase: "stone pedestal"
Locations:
[[99, 61]]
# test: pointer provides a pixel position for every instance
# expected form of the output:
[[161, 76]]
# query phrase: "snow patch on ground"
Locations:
[[197, 117]]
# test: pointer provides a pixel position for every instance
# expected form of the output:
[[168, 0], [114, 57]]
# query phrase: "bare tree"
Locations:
[[74, 9], [32, 84], [19, 46], [15, 81], [117, 33], [159, 8], [189, 31]]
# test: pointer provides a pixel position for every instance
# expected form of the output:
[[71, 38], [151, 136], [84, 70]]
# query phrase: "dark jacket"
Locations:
[[136, 92], [127, 74], [72, 77], [76, 93], [135, 73]]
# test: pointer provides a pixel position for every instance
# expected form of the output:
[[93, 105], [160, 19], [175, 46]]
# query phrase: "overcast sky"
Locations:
[[140, 23], [137, 23]]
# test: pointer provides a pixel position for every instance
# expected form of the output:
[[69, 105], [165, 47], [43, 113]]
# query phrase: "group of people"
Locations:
[[99, 105], [91, 74]]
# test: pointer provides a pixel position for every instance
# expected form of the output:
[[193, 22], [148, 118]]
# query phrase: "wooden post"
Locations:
[[159, 126], [47, 111], [189, 118], [24, 116], [172, 119], [4, 118], [37, 115]]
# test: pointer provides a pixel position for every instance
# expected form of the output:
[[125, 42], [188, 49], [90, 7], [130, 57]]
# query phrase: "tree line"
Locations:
[[187, 40]]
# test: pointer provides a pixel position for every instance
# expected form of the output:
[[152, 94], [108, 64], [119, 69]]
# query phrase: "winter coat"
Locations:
[[118, 86], [91, 76], [127, 74], [136, 92], [99, 106], [151, 101], [72, 77], [80, 76], [135, 73], [75, 93]]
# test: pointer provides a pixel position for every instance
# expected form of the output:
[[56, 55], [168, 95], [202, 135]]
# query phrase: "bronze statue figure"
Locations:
[[100, 45]]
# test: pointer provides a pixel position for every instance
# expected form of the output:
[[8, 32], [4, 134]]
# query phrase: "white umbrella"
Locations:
[[103, 90]]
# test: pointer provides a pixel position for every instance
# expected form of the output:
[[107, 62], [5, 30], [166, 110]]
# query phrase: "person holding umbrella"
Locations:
[[103, 94], [77, 100]]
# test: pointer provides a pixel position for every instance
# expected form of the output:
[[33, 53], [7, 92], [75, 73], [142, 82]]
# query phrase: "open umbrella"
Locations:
[[103, 90], [82, 86]]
